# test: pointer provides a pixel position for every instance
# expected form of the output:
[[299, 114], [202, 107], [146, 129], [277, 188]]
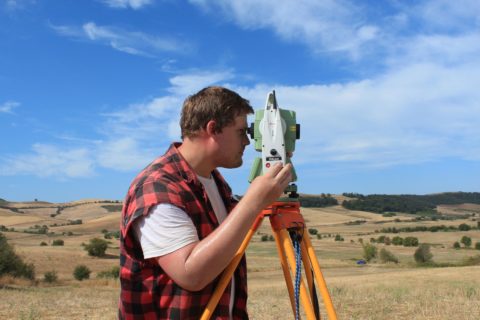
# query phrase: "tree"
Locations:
[[387, 256], [456, 245], [96, 247], [410, 242], [464, 227], [58, 242], [81, 272], [467, 241], [50, 276], [423, 254], [369, 252], [397, 241], [12, 264]]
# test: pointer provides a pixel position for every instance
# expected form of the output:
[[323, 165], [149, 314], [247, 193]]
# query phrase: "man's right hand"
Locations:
[[267, 188]]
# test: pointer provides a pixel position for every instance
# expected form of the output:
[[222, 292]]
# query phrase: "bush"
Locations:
[[312, 231], [464, 227], [96, 247], [387, 256], [11, 263], [369, 252], [456, 245], [338, 238], [50, 276], [467, 241], [58, 242], [397, 241], [264, 237], [81, 272], [319, 236], [43, 244], [112, 273], [410, 242], [477, 245], [423, 254]]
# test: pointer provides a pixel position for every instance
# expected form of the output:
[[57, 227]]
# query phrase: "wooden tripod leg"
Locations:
[[227, 274], [321, 281], [286, 270], [288, 247]]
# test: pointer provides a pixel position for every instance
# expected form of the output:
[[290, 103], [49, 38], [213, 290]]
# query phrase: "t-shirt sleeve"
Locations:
[[166, 229]]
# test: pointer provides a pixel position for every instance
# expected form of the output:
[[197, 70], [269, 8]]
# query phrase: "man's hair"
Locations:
[[212, 103]]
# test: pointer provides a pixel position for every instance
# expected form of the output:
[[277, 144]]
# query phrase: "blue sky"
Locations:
[[387, 92]]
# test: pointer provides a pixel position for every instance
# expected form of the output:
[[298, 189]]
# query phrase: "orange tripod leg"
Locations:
[[227, 274], [319, 276], [291, 259], [285, 269]]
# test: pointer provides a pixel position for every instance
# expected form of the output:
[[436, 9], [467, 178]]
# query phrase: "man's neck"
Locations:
[[197, 156]]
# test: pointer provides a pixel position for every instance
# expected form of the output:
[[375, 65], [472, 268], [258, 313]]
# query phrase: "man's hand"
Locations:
[[267, 188]]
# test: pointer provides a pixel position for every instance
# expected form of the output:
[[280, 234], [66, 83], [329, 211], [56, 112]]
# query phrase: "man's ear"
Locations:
[[210, 128]]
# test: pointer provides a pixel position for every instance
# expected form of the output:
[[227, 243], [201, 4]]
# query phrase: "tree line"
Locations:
[[414, 204]]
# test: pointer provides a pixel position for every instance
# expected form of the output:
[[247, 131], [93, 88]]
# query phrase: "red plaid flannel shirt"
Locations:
[[147, 292]]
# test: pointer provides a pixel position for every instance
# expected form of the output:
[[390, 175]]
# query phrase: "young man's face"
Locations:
[[232, 142]]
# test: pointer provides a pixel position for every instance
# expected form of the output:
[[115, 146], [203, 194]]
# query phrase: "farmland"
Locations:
[[448, 288]]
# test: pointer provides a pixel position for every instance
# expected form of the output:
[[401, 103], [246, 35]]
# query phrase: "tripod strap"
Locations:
[[298, 273]]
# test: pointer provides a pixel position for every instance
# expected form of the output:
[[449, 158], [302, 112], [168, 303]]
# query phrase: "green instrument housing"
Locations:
[[291, 134]]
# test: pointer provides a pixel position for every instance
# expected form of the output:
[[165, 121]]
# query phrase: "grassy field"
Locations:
[[372, 291]]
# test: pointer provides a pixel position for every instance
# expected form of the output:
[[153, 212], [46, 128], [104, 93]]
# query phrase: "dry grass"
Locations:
[[375, 291]]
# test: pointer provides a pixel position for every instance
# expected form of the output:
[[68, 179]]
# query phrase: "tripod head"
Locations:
[[274, 131]]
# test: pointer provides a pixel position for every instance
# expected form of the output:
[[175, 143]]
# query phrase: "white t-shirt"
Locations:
[[168, 228]]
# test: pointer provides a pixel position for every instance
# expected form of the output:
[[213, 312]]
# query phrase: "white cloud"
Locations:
[[421, 112], [325, 26], [50, 161], [447, 16], [187, 84], [13, 5], [124, 154], [123, 4], [7, 107], [131, 42]]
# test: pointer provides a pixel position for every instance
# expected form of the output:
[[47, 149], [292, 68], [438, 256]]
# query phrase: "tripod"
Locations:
[[288, 228]]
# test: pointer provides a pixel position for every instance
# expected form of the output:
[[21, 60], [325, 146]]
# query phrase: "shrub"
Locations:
[[81, 272], [11, 263], [410, 242], [58, 242], [112, 273], [50, 276], [464, 227], [387, 256], [423, 254], [319, 236], [477, 245], [264, 237], [456, 245], [397, 241], [467, 241], [312, 231], [43, 244], [369, 252], [96, 247], [387, 241], [338, 238]]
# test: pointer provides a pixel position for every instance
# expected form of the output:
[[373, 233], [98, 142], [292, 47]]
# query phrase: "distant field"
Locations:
[[374, 291]]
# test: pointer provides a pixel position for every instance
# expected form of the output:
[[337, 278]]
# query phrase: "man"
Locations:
[[180, 224]]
